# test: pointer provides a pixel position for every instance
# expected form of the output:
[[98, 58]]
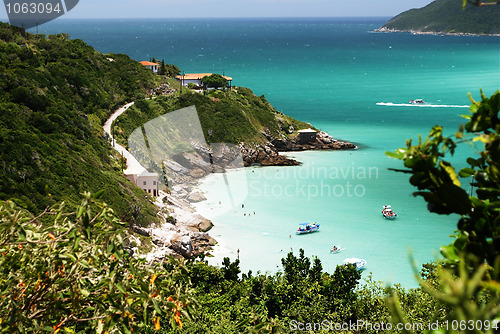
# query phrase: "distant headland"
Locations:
[[447, 17]]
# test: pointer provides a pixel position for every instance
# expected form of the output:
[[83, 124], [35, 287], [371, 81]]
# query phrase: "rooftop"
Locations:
[[146, 173], [198, 76], [307, 131], [148, 63]]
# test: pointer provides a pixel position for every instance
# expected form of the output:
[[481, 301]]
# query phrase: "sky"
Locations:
[[236, 8]]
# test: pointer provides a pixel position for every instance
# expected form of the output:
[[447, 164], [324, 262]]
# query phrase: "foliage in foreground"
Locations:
[[72, 274], [471, 283]]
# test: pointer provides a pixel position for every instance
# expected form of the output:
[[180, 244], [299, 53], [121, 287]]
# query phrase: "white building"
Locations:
[[195, 78], [146, 181], [151, 66]]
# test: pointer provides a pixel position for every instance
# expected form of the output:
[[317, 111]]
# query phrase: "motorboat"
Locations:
[[388, 213], [359, 263], [416, 101], [307, 228]]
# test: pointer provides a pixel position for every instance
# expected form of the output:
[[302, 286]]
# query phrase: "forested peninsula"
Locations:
[[447, 17]]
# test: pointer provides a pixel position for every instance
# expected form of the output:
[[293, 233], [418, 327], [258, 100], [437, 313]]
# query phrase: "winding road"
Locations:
[[133, 166]]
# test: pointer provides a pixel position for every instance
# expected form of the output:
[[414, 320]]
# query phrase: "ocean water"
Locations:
[[330, 72]]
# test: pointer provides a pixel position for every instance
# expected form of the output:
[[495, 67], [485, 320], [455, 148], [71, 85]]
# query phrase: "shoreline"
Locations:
[[182, 231], [183, 199], [434, 33]]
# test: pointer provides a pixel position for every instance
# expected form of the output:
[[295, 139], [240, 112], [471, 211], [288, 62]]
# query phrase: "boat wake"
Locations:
[[390, 104]]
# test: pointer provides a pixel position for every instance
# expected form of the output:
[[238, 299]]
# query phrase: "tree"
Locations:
[[162, 69], [215, 80], [171, 70]]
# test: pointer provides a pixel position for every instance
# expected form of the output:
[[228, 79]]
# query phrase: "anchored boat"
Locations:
[[307, 228], [388, 213]]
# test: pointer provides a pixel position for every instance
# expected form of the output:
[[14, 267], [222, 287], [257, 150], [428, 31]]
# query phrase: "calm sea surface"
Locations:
[[331, 73]]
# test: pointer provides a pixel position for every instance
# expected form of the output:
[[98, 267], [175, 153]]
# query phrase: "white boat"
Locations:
[[359, 263], [388, 213], [307, 228]]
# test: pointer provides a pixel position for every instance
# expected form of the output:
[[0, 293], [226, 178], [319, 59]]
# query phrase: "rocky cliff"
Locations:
[[268, 154]]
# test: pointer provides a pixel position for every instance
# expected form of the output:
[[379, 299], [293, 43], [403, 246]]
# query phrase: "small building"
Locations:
[[151, 66], [306, 136], [146, 181], [195, 78]]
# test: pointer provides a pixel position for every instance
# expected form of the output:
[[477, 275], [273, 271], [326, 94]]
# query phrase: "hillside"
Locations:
[[232, 117], [447, 17], [55, 94], [235, 116]]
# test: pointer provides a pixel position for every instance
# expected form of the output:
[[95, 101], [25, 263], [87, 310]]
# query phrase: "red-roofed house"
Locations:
[[195, 78], [151, 66]]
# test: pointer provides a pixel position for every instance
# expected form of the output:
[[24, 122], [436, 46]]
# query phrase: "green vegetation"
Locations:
[[215, 80], [231, 116], [168, 70], [55, 94], [69, 272], [449, 16], [470, 284]]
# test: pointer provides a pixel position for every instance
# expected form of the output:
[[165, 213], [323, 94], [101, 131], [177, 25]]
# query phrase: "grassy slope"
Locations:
[[230, 117], [55, 94], [448, 16]]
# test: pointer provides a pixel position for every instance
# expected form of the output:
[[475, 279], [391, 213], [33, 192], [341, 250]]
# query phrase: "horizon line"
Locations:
[[6, 19]]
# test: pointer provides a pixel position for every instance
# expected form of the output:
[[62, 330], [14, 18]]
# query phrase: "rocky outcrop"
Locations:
[[265, 155], [162, 89], [323, 142], [182, 245], [268, 154], [185, 235]]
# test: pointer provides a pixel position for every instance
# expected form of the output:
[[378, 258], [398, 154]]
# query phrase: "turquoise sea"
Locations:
[[330, 72]]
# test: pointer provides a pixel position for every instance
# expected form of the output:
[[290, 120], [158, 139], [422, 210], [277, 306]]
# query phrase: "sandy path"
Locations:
[[133, 166]]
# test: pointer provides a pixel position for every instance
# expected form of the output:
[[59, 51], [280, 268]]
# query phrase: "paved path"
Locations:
[[133, 166]]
